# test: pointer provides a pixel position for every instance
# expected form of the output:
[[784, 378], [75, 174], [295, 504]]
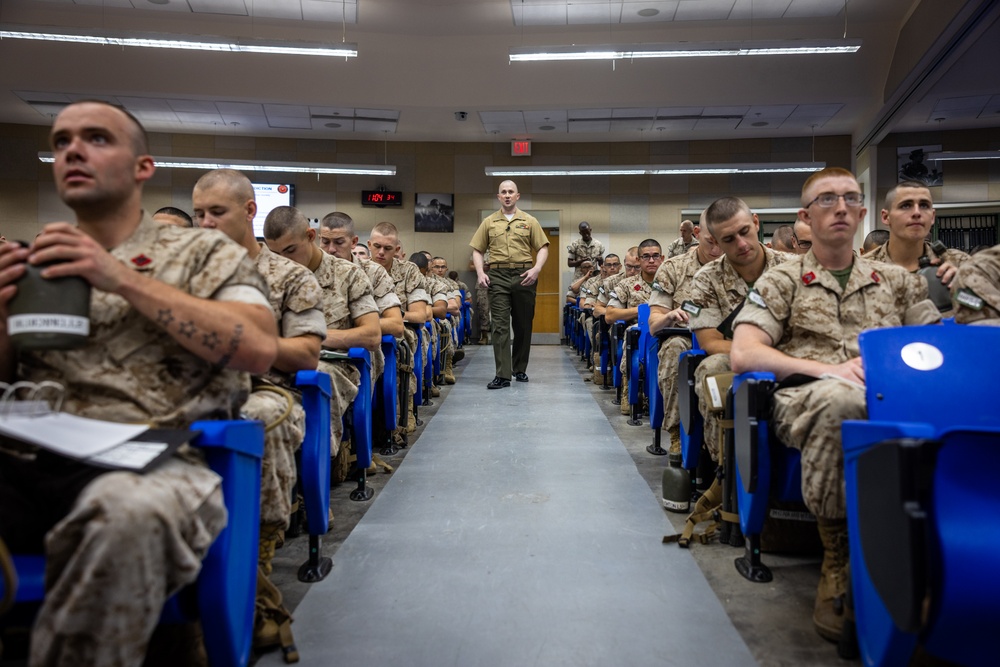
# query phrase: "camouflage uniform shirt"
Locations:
[[608, 286], [630, 292], [976, 288], [383, 289], [956, 257], [409, 283], [580, 249], [802, 307], [672, 283], [131, 370], [296, 299], [678, 247], [717, 289]]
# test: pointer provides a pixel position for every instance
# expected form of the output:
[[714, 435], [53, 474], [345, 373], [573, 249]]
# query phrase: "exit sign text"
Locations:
[[522, 147]]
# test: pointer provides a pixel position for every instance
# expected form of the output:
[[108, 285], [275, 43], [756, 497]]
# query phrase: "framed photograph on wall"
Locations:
[[434, 212], [912, 165]]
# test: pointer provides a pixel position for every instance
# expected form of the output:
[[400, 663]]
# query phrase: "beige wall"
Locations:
[[622, 210]]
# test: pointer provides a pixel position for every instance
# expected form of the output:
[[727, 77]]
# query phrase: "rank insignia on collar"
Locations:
[[875, 277], [141, 260], [637, 287], [809, 277]]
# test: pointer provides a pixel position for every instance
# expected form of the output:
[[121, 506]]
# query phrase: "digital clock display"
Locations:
[[381, 198]]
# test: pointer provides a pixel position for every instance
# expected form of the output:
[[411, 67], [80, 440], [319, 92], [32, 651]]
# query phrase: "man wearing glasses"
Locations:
[[803, 318], [623, 303]]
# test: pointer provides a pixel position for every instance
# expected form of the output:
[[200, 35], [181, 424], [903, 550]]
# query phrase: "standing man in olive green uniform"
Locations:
[[510, 235]]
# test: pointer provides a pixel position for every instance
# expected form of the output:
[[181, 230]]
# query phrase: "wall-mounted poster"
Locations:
[[912, 165], [434, 213]]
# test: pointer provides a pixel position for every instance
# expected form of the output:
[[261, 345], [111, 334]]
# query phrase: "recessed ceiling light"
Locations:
[[158, 2], [649, 11], [333, 125], [760, 123], [546, 127]]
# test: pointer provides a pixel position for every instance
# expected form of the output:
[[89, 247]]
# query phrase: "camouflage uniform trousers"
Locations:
[[344, 378], [808, 418], [128, 543], [278, 471], [713, 364], [410, 340], [670, 350]]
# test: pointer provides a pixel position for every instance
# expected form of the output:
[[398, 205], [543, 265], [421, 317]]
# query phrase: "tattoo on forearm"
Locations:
[[234, 345], [210, 340], [164, 317], [188, 328]]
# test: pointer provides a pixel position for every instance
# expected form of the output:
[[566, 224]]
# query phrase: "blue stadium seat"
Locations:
[[358, 422], [223, 596], [922, 494], [385, 404], [314, 471], [692, 432]]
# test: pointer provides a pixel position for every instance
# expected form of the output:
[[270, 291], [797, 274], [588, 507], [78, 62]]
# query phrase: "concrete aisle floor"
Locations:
[[516, 532]]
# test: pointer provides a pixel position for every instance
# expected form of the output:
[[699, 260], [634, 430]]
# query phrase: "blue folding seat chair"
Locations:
[[691, 427], [922, 496], [638, 339], [314, 471], [358, 418], [418, 367], [427, 375], [604, 336], [567, 323], [617, 350], [765, 468], [466, 320], [385, 403], [650, 349], [223, 596]]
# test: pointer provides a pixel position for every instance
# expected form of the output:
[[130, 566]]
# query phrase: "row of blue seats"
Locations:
[[223, 596], [918, 480]]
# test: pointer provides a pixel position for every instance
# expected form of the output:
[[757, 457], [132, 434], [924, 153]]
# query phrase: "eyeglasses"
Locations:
[[647, 257], [829, 200]]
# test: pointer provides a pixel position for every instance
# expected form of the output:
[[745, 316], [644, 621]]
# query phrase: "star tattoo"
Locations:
[[210, 340], [164, 317], [187, 328]]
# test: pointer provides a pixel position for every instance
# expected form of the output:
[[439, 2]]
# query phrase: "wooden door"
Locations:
[[548, 299]]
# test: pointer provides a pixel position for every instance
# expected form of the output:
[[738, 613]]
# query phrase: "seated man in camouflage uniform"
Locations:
[[671, 288], [976, 289], [589, 292], [608, 285], [383, 242], [804, 317], [685, 242], [178, 319], [224, 199], [439, 267], [442, 303], [629, 293], [718, 289]]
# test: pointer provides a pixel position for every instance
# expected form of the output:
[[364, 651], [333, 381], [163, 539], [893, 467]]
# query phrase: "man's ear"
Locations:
[[251, 210], [144, 168]]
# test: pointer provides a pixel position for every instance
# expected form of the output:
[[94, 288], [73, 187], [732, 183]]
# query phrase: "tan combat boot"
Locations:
[[270, 533], [828, 613], [449, 372], [674, 433]]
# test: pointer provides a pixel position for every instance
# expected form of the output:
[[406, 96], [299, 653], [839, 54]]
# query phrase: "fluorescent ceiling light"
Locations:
[[171, 41], [660, 169], [962, 155], [684, 50], [257, 165]]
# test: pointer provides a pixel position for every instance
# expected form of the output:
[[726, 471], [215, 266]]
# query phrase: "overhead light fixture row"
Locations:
[[171, 41], [257, 165], [659, 169], [962, 155], [684, 50]]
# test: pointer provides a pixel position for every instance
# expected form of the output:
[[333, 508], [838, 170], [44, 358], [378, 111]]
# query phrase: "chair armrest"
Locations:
[[316, 388]]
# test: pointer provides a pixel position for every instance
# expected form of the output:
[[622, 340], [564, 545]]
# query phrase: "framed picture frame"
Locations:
[[434, 212]]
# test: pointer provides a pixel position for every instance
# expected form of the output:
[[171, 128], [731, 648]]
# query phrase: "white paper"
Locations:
[[69, 435], [132, 455]]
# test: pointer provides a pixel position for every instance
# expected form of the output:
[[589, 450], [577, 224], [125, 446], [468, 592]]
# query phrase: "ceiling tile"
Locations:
[[286, 111], [976, 101], [545, 117], [330, 10], [199, 118], [383, 114], [549, 14], [717, 123], [800, 9], [169, 6], [593, 14], [501, 117], [101, 3], [666, 112], [240, 109], [665, 11], [631, 124], [332, 111], [245, 122], [574, 114], [751, 123], [725, 111], [827, 110], [794, 122], [992, 107], [589, 126], [145, 104], [634, 112], [194, 106], [703, 10], [762, 9], [152, 115], [548, 127], [230, 7], [289, 123], [779, 111], [678, 125], [32, 96], [365, 125], [277, 9]]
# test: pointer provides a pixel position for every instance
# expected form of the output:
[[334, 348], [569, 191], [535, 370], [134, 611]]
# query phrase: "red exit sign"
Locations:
[[520, 147]]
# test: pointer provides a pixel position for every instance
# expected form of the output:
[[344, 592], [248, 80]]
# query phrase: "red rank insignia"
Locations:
[[809, 277], [141, 260], [638, 287], [875, 277]]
